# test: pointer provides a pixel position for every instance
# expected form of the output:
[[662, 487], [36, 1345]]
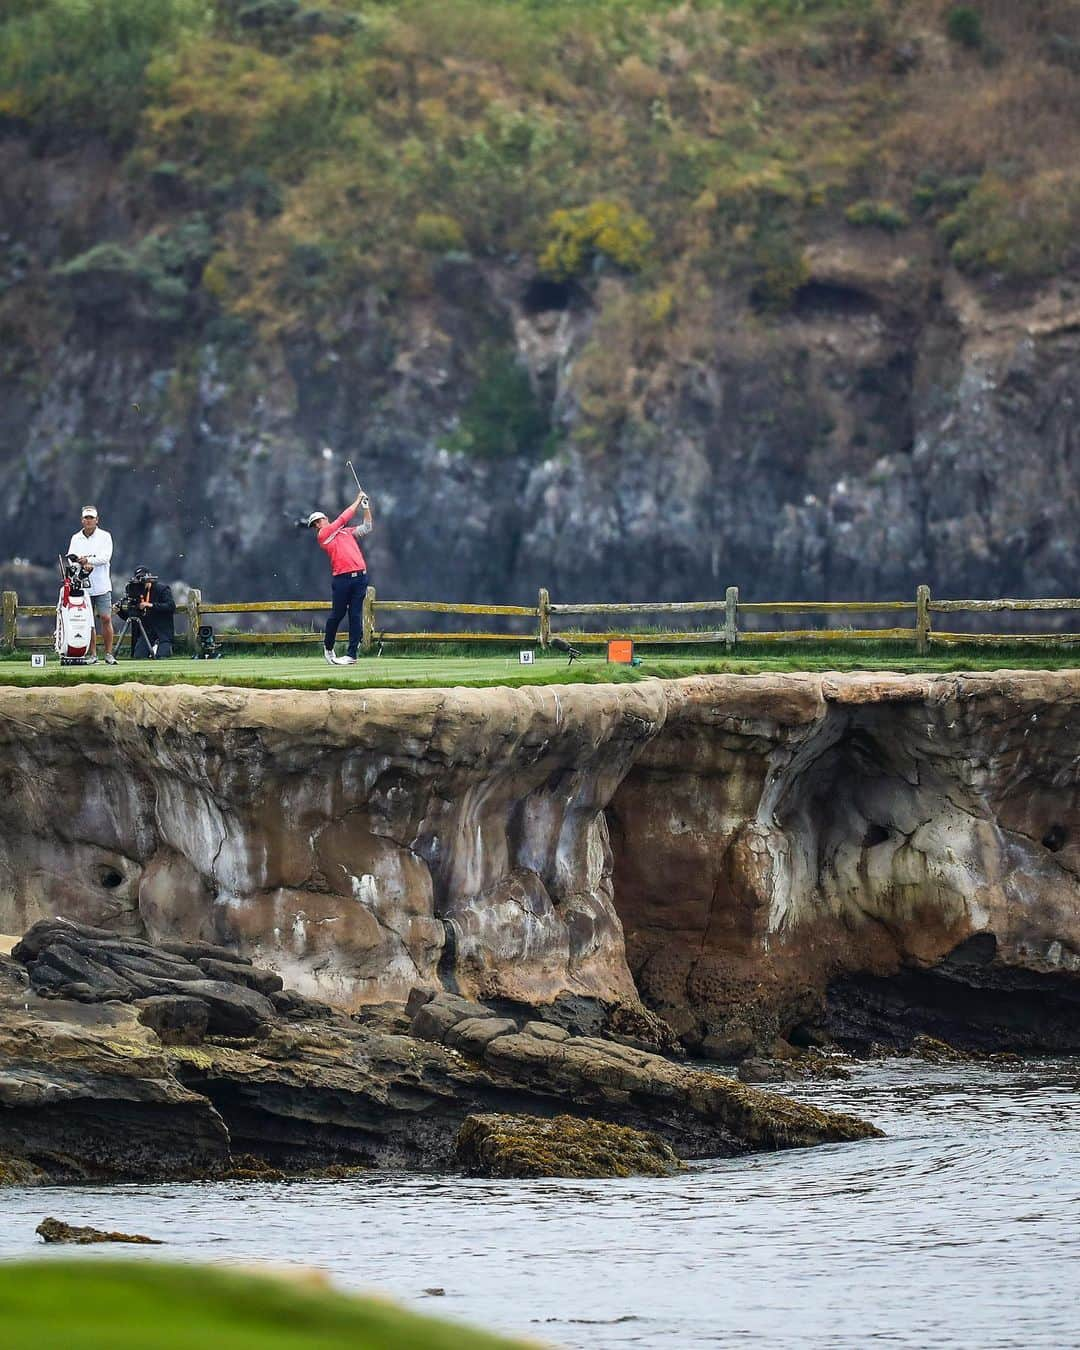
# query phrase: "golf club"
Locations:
[[349, 466]]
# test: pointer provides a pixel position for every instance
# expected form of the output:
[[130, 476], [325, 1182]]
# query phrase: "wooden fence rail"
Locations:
[[727, 633]]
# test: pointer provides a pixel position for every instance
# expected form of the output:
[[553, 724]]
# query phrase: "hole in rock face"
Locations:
[[826, 299], [111, 878], [977, 950], [875, 834], [1054, 838], [542, 296]]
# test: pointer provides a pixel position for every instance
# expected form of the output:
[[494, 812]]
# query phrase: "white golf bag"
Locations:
[[74, 614]]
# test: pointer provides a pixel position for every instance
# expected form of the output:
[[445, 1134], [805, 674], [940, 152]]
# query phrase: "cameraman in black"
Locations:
[[148, 602]]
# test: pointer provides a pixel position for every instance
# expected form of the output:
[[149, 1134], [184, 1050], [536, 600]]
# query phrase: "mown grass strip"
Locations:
[[435, 669]]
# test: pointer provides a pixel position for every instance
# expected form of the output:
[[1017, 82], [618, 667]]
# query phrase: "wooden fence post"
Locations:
[[368, 639], [922, 620], [544, 606], [731, 618], [194, 602], [11, 613]]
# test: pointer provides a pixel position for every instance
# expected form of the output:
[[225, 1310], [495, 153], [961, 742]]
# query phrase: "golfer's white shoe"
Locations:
[[346, 660], [331, 659]]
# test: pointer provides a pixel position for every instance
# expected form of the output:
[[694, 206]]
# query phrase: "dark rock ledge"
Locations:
[[120, 1059]]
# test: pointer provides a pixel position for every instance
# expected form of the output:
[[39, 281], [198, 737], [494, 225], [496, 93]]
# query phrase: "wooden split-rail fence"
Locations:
[[724, 631]]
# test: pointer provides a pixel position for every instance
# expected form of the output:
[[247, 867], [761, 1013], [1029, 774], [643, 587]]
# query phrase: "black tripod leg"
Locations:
[[151, 647]]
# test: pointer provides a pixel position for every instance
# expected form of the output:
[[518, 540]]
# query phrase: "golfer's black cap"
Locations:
[[142, 574]]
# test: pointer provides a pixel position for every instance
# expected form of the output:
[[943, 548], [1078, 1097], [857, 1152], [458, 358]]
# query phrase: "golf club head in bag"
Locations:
[[74, 615]]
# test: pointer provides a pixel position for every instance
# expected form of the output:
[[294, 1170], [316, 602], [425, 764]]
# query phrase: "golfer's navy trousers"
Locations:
[[347, 594]]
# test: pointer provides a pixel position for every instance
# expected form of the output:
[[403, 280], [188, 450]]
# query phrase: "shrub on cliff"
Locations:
[[780, 270], [81, 65], [502, 415], [937, 193], [438, 233], [604, 229], [1022, 230], [880, 214], [234, 107], [964, 26], [154, 280]]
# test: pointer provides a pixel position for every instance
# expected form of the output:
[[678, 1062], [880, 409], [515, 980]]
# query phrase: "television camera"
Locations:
[[135, 600], [207, 646]]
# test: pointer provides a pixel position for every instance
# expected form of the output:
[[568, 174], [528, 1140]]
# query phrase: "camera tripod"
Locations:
[[135, 619]]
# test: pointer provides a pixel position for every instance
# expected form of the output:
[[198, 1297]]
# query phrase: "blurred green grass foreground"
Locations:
[[135, 1305]]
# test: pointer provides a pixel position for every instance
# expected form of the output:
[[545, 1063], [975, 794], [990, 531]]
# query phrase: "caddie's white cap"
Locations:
[[89, 511], [316, 515]]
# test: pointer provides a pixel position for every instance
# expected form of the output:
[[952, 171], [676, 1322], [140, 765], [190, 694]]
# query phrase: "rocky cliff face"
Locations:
[[899, 426], [790, 837], [752, 856], [364, 845], [631, 301]]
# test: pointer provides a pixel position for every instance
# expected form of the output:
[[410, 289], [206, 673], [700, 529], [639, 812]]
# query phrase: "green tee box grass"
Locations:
[[445, 669], [93, 1304]]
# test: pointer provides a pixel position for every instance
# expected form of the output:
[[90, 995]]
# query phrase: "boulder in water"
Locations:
[[565, 1146], [53, 1230]]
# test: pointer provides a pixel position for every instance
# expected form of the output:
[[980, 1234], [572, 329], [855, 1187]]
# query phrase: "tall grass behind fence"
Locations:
[[720, 618]]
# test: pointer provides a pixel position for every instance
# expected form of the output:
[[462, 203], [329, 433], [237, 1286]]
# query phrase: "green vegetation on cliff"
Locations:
[[112, 1305], [287, 154]]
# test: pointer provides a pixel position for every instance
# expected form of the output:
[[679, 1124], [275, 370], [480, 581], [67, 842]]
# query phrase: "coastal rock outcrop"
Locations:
[[717, 861], [88, 1091], [173, 995]]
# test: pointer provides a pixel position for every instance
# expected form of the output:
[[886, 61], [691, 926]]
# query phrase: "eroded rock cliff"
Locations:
[[875, 855], [790, 835], [363, 844]]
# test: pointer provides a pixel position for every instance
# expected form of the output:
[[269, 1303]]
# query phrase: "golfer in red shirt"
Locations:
[[349, 584]]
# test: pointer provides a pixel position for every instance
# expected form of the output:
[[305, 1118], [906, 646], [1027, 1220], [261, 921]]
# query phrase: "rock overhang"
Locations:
[[705, 843]]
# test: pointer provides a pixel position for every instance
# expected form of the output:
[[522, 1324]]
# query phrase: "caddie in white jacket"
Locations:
[[93, 546]]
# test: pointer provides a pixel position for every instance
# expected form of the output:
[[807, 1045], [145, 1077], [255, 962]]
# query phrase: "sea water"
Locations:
[[961, 1228]]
